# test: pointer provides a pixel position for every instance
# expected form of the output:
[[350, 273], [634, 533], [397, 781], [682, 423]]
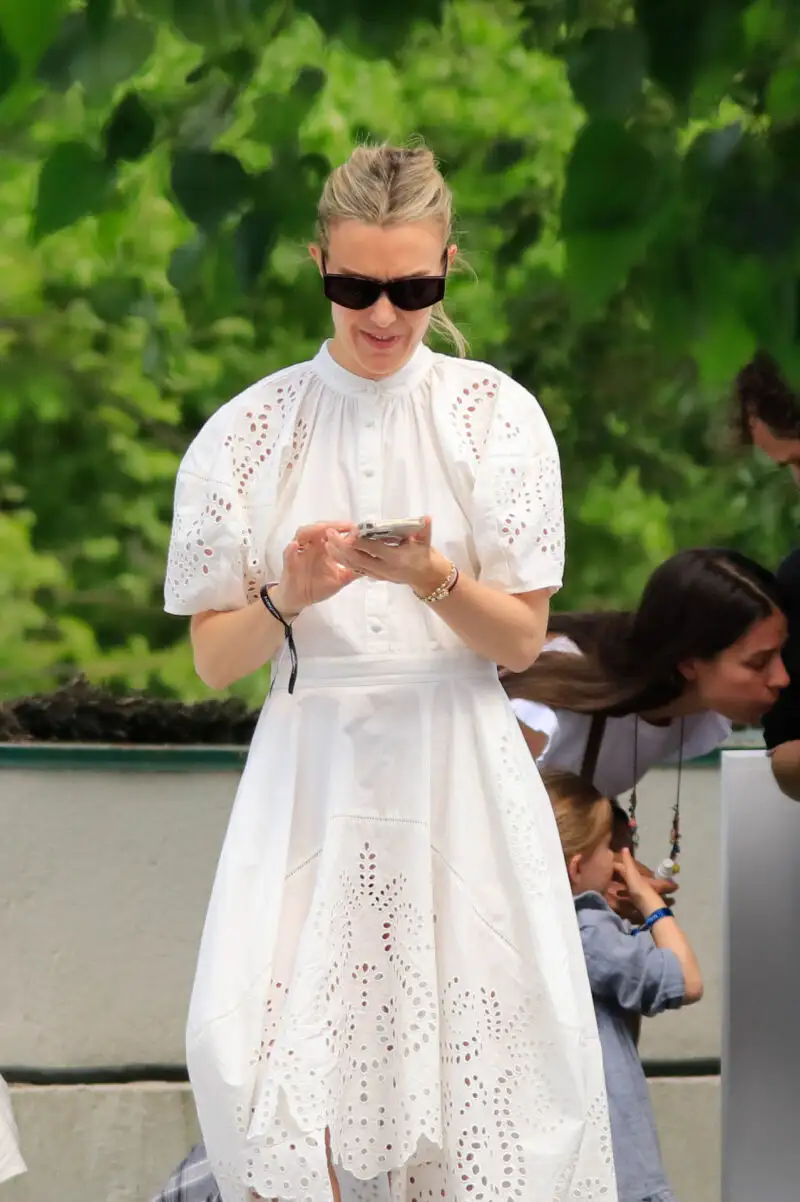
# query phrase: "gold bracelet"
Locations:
[[444, 589]]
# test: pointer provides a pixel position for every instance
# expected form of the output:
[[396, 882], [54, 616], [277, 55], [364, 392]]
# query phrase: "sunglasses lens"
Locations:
[[351, 292], [354, 292], [417, 293]]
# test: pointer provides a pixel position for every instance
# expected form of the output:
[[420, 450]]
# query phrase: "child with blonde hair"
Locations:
[[633, 970]]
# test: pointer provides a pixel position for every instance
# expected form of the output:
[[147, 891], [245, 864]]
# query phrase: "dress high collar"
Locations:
[[349, 384]]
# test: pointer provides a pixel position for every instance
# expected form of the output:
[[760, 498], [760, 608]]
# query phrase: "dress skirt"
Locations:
[[391, 958]]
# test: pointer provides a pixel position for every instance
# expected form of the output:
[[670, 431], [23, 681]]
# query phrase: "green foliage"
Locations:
[[628, 187]]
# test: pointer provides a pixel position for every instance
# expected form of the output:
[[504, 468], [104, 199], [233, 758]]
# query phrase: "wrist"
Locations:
[[647, 902], [431, 575], [288, 607]]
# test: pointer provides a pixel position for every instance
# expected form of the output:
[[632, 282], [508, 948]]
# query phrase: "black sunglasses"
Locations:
[[410, 293]]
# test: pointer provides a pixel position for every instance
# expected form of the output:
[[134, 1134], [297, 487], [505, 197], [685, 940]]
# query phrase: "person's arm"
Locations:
[[629, 970], [619, 898], [782, 725], [536, 740], [785, 761], [666, 934], [229, 646], [506, 628]]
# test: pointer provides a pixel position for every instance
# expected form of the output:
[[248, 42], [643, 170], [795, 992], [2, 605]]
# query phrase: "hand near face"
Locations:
[[619, 896]]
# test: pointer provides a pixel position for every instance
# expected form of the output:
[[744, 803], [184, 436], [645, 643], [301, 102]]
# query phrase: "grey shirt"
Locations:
[[628, 974]]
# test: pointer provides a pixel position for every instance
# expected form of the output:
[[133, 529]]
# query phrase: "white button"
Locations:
[[375, 627], [369, 472], [370, 423]]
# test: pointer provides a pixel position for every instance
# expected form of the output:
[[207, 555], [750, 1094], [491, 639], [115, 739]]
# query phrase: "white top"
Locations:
[[391, 949], [11, 1162], [567, 735], [316, 443]]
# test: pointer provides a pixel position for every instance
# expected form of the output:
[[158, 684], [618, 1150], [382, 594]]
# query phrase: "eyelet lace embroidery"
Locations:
[[529, 504], [222, 517], [472, 409], [461, 1080]]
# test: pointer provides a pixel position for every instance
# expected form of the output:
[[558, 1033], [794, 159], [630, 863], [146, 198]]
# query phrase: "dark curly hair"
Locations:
[[761, 391]]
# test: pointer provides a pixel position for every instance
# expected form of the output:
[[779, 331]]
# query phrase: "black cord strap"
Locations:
[[287, 629], [675, 833]]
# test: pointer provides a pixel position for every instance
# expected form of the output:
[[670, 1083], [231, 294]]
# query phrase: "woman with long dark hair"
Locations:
[[616, 693]]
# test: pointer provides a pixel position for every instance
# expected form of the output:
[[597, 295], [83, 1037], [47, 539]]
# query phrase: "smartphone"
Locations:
[[393, 533]]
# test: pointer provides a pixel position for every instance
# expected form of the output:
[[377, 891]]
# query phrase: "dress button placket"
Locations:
[[369, 510]]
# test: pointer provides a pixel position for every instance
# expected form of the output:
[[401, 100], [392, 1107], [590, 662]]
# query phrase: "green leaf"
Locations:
[[612, 181], [674, 32], [256, 234], [598, 265], [607, 70], [763, 23], [783, 95], [154, 354], [74, 182], [209, 185], [238, 64], [707, 157], [55, 66], [278, 118], [206, 22], [30, 27], [186, 264], [504, 154], [724, 344], [101, 64], [9, 67], [98, 15], [130, 130], [371, 30], [114, 297], [527, 231]]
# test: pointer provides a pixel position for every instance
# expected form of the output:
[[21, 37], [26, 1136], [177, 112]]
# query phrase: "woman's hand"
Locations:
[[310, 571], [414, 562]]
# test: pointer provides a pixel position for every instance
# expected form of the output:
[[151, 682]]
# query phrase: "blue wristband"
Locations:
[[655, 917]]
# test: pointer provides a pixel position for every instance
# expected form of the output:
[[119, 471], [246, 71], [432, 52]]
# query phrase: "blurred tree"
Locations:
[[625, 187]]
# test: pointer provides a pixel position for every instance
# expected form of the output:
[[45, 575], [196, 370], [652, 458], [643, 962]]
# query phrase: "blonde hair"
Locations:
[[390, 185], [583, 816]]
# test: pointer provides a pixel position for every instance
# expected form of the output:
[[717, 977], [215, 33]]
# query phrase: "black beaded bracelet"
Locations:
[[287, 630]]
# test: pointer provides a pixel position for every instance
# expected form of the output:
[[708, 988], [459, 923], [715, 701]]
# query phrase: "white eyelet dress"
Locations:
[[391, 952]]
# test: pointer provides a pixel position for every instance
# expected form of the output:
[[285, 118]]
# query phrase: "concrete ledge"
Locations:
[[101, 1143], [120, 1143]]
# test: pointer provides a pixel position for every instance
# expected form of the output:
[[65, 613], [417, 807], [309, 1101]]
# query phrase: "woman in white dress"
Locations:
[[391, 1000], [622, 692]]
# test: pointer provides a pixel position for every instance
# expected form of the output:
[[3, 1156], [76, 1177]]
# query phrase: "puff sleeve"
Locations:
[[211, 562], [518, 516]]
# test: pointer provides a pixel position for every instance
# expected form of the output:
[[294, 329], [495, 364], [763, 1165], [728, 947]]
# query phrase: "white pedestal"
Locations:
[[761, 991]]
